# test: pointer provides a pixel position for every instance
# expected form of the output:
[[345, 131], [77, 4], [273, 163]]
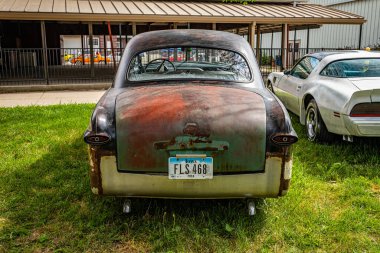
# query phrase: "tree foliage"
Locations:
[[239, 1]]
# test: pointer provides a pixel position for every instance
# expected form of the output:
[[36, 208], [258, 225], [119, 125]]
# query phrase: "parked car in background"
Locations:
[[189, 129], [68, 57], [333, 92], [117, 57], [98, 58]]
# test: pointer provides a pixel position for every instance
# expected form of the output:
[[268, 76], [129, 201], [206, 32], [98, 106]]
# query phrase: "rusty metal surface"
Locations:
[[95, 155], [155, 122], [286, 170]]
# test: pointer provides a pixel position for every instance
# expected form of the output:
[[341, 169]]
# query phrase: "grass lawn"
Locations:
[[46, 204]]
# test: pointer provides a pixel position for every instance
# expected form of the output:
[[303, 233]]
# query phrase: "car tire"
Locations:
[[315, 127], [270, 86]]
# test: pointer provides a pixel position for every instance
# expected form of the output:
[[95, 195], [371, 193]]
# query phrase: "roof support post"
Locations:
[[120, 42], [308, 40], [44, 51], [134, 29], [82, 42], [360, 35], [271, 48], [112, 47], [294, 46], [214, 26], [175, 53], [105, 40], [251, 31], [126, 33], [287, 46], [258, 43], [91, 42], [284, 46], [1, 34]]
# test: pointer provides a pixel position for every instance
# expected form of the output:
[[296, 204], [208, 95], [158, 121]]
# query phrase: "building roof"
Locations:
[[173, 11]]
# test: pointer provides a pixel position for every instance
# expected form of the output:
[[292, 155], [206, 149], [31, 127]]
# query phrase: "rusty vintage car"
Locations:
[[201, 127]]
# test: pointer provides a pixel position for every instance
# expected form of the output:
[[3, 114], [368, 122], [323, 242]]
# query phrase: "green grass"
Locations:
[[46, 204]]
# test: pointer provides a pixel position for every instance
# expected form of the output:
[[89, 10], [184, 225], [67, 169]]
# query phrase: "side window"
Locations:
[[305, 67]]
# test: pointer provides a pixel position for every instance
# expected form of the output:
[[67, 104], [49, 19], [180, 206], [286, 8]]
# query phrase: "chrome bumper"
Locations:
[[273, 182]]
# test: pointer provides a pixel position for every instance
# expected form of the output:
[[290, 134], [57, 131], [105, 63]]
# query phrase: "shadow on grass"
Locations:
[[49, 205]]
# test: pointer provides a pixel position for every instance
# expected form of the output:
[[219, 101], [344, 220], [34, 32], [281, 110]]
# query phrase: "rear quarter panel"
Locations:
[[331, 95]]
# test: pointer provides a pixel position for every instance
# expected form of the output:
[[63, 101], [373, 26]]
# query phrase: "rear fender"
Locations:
[[363, 96], [278, 121], [103, 119]]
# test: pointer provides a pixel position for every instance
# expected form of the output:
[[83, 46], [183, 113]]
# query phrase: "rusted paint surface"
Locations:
[[233, 120], [286, 162], [95, 155]]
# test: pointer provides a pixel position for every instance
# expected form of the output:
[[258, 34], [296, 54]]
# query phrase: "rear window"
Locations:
[[191, 63], [365, 67]]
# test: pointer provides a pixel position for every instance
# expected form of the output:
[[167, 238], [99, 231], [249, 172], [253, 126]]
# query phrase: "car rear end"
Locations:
[[203, 127], [191, 141], [363, 117], [360, 74]]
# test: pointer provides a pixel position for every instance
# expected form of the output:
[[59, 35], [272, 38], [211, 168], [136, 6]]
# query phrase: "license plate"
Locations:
[[190, 168]]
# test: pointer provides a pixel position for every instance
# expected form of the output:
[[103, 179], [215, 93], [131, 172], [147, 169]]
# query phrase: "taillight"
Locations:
[[97, 139], [284, 139], [366, 110]]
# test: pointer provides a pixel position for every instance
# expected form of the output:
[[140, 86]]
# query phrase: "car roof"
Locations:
[[321, 55], [344, 54], [188, 38]]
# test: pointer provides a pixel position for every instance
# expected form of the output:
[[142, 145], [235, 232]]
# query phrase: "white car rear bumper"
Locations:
[[363, 126]]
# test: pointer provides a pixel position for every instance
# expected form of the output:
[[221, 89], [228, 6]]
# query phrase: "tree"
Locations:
[[239, 1]]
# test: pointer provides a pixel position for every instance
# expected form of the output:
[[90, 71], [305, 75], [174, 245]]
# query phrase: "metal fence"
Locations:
[[63, 65], [73, 65]]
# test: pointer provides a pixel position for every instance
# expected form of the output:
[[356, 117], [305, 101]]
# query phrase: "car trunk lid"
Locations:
[[154, 123]]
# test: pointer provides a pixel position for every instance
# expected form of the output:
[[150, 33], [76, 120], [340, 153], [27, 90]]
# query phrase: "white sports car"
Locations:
[[333, 92]]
